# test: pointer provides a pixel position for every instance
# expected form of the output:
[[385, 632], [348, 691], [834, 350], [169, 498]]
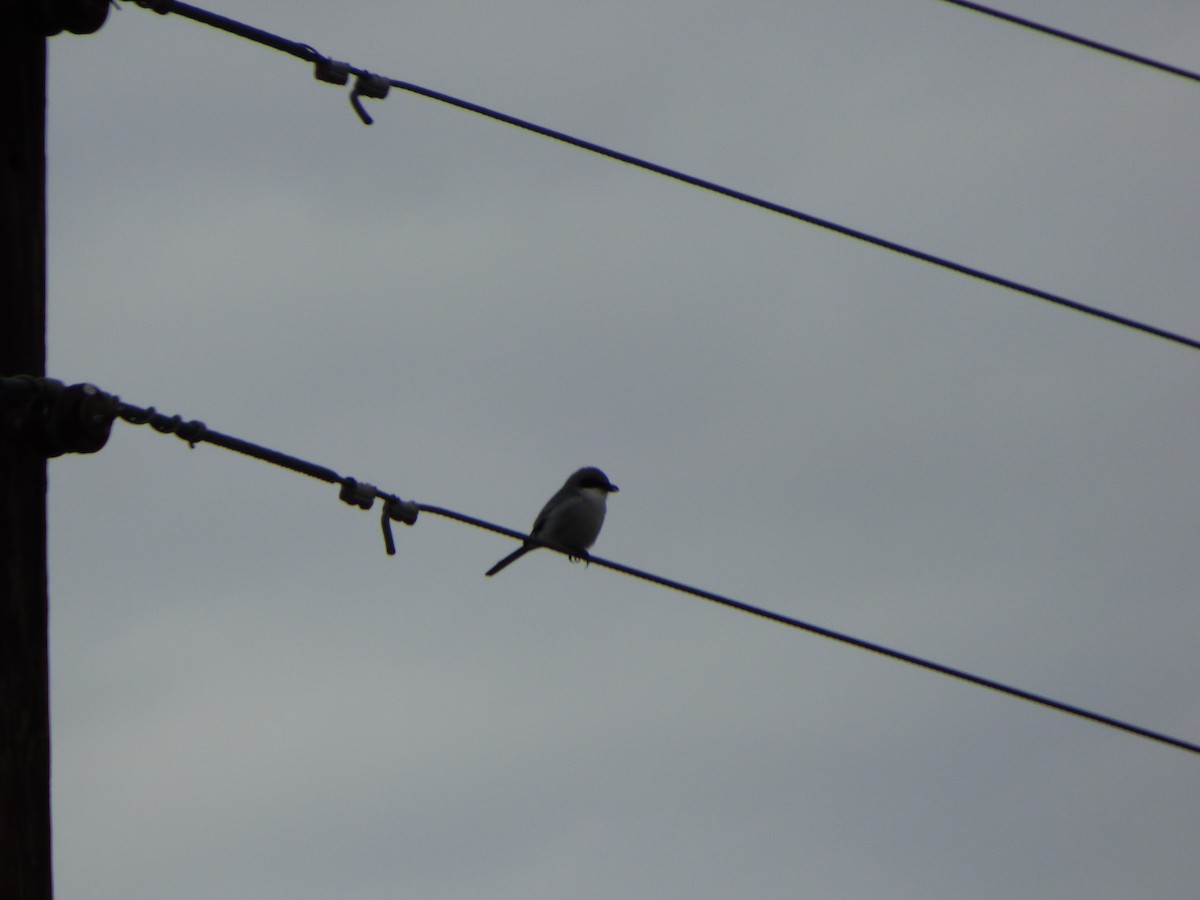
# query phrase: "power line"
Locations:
[[376, 86], [949, 671], [1076, 39], [861, 644], [77, 419], [827, 224]]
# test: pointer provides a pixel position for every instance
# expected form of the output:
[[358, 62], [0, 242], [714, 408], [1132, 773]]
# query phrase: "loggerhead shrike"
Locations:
[[571, 519]]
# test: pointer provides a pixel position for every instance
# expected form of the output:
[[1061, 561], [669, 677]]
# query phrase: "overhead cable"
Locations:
[[58, 419], [371, 85], [1076, 39]]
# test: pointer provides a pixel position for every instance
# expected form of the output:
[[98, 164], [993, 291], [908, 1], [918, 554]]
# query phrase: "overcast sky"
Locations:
[[250, 699]]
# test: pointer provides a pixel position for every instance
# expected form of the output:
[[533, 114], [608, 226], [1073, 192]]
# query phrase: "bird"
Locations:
[[570, 520]]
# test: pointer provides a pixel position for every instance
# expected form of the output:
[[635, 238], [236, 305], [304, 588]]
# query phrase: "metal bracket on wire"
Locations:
[[362, 495], [366, 84]]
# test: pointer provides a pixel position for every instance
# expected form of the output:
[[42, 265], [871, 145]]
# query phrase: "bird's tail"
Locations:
[[511, 558]]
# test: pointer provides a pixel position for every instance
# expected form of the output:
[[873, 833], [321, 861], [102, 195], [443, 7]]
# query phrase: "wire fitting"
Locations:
[[362, 495], [192, 432], [357, 493], [405, 511], [56, 419], [331, 71], [374, 87], [399, 510]]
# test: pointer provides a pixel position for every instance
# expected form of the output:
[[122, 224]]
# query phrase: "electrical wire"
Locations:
[[362, 495], [1076, 39], [371, 85], [827, 224], [861, 644]]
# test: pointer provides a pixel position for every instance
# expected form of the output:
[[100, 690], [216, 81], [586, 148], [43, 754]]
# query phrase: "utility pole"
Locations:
[[25, 857]]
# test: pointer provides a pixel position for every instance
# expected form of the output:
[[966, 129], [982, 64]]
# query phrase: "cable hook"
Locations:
[[374, 87], [402, 511]]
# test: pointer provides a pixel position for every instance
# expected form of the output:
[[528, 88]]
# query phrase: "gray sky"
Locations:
[[251, 700]]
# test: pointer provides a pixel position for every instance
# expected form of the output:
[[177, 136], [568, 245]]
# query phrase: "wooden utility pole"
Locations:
[[25, 860], [24, 659]]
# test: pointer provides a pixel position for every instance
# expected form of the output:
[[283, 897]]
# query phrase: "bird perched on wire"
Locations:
[[570, 520]]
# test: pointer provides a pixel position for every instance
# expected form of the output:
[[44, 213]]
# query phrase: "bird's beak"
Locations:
[[612, 488]]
